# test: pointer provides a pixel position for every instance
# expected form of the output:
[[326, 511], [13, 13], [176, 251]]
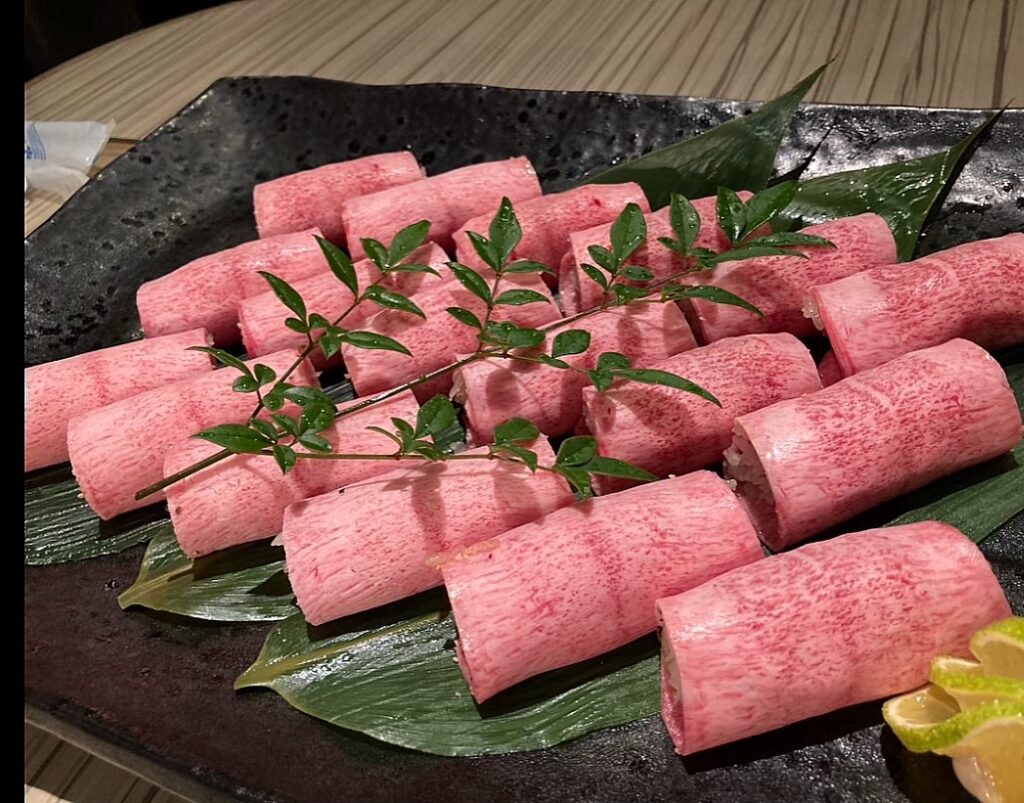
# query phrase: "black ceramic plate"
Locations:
[[154, 693]]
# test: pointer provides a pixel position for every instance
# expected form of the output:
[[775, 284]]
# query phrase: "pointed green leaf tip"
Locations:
[[739, 154], [906, 193]]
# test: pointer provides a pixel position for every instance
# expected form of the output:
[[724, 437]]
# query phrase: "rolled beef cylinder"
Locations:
[[805, 464], [974, 291], [119, 449], [577, 292], [778, 285], [548, 221], [447, 200], [495, 390], [55, 392], [261, 318], [436, 340], [826, 626], [205, 292], [244, 497], [313, 198], [584, 580], [669, 431], [371, 543]]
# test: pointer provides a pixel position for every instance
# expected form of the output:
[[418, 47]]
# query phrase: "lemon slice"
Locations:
[[1000, 648], [968, 683]]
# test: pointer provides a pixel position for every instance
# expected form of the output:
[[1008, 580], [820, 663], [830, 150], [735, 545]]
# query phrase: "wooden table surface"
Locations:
[[914, 52]]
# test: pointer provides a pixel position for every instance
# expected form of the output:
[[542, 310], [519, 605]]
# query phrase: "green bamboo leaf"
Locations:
[[709, 293], [286, 294], [904, 193], [407, 240], [340, 265], [372, 340], [739, 154], [60, 527], [389, 299], [398, 682], [571, 341], [241, 584]]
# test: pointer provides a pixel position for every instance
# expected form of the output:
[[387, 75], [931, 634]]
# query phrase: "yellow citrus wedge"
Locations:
[[989, 760], [1000, 648], [968, 683]]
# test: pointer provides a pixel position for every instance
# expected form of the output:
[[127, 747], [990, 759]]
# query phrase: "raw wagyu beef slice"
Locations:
[[261, 318], [495, 390], [447, 200], [822, 627], [584, 579], [778, 285], [313, 198], [371, 543], [805, 464], [57, 391], [119, 449], [669, 431], [206, 291], [244, 497], [974, 291], [548, 221]]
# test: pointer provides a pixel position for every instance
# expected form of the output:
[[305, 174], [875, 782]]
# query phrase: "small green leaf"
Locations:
[[265, 428], [245, 384], [318, 321], [316, 417], [518, 298], [611, 467], [637, 273], [766, 204], [515, 430], [595, 275], [386, 434], [264, 374], [790, 238], [510, 336], [426, 449], [684, 220], [672, 245], [472, 281], [434, 417], [274, 400], [709, 293], [612, 360], [653, 377], [287, 294], [554, 362], [484, 249], [372, 340], [340, 265], [624, 293], [408, 240], [223, 357], [314, 442], [602, 378], [236, 438], [285, 457], [529, 458], [389, 299], [628, 232], [406, 431], [303, 395], [412, 267], [464, 316], [296, 325], [571, 341], [330, 341], [731, 214], [286, 423], [377, 252], [602, 256], [504, 232], [579, 479], [753, 252], [576, 451], [527, 266]]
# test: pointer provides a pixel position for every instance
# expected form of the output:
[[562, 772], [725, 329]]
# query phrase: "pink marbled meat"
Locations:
[[493, 391], [828, 625], [974, 291], [206, 291], [437, 340], [584, 580], [371, 543], [578, 292], [548, 221], [261, 318], [120, 448], [244, 497], [313, 198], [57, 391], [668, 431], [447, 200], [805, 464], [778, 285], [829, 369]]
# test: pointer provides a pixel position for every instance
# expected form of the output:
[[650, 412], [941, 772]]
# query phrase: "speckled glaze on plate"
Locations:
[[154, 692]]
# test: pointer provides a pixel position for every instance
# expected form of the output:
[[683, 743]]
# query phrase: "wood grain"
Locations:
[[967, 53]]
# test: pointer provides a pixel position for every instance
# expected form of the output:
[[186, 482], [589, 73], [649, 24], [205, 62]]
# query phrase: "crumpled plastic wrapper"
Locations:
[[58, 155]]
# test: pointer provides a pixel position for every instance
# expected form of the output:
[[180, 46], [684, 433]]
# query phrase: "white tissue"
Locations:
[[58, 155]]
